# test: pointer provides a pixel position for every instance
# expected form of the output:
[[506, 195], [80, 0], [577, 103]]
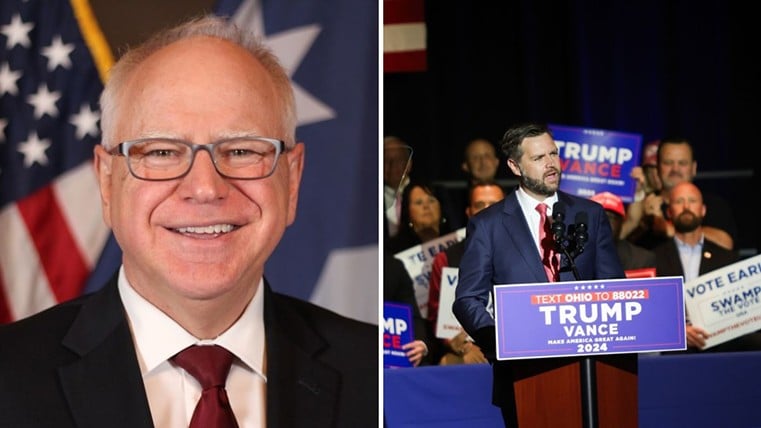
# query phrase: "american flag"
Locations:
[[53, 61], [404, 36]]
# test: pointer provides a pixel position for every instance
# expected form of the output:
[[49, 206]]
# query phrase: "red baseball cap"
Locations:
[[610, 202], [650, 153]]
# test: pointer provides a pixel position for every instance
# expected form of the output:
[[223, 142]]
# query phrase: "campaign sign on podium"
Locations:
[[578, 318]]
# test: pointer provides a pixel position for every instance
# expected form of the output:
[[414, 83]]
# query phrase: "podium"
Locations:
[[550, 392], [567, 352]]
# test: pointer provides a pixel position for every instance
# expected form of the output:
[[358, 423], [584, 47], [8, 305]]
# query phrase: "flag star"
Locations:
[[44, 102], [86, 122], [290, 47], [8, 80], [17, 32], [58, 54], [33, 150]]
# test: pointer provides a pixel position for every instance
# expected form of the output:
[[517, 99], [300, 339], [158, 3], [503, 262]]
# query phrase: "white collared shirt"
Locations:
[[528, 206], [172, 392], [690, 256]]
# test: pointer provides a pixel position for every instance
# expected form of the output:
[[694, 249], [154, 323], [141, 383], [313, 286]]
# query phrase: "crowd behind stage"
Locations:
[[671, 228]]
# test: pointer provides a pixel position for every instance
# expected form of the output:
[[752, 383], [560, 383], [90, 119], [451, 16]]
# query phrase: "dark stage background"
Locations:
[[657, 68]]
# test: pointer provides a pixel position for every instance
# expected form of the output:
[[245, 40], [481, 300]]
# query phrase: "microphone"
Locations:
[[580, 232], [558, 227]]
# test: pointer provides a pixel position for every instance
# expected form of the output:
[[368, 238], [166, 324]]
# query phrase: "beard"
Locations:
[[538, 186], [687, 221]]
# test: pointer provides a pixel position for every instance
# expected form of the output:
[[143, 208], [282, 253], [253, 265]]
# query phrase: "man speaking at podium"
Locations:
[[523, 239]]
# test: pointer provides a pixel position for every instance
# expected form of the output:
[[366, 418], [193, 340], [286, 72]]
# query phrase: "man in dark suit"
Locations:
[[502, 246], [690, 254], [199, 173]]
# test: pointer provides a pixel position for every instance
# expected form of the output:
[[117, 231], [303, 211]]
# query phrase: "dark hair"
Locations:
[[481, 183], [404, 217], [675, 141], [511, 141], [406, 236]]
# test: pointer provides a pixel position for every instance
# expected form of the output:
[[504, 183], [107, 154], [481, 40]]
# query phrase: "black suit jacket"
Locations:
[[75, 365], [714, 257]]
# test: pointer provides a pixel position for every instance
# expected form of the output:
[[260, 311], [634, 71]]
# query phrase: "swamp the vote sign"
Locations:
[[726, 302]]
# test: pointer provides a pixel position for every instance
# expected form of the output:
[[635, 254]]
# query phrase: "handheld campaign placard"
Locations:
[[418, 261], [726, 302], [447, 325], [397, 331], [597, 160], [576, 318]]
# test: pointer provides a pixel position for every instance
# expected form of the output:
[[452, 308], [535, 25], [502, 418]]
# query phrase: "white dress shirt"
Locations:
[[528, 206], [690, 256], [172, 392]]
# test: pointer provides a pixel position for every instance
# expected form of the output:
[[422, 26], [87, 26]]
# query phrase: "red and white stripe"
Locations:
[[404, 36], [54, 236]]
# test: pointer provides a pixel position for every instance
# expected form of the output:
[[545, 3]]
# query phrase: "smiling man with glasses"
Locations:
[[199, 172]]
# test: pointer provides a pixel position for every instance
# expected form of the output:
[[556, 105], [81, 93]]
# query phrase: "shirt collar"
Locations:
[[529, 203], [158, 337]]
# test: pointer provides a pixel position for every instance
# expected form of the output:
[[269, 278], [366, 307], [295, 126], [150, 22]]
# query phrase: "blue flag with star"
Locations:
[[330, 48]]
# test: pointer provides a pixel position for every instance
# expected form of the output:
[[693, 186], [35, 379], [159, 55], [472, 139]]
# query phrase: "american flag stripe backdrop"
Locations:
[[53, 60], [404, 36]]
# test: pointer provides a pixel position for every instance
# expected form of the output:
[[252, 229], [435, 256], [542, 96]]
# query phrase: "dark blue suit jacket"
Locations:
[[499, 249]]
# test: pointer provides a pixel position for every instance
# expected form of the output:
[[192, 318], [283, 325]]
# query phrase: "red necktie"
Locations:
[[210, 366], [545, 242]]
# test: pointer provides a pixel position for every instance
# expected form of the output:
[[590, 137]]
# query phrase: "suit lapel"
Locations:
[[517, 230], [712, 258], [104, 386], [294, 374]]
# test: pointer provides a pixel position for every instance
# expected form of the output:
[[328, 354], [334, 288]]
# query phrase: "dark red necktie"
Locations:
[[545, 242], [210, 366]]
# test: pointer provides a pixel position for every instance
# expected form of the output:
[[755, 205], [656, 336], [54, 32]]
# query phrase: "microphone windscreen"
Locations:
[[558, 211]]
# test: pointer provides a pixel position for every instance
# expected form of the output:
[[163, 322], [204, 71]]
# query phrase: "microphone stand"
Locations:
[[587, 369]]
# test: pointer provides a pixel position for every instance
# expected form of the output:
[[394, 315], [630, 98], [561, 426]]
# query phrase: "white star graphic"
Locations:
[[58, 54], [86, 122], [8, 80], [17, 32], [33, 150], [44, 102], [290, 47]]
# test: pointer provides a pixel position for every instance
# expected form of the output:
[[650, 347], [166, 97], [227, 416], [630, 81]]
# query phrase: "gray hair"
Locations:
[[211, 26]]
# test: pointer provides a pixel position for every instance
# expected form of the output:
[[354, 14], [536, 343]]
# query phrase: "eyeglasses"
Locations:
[[241, 158]]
